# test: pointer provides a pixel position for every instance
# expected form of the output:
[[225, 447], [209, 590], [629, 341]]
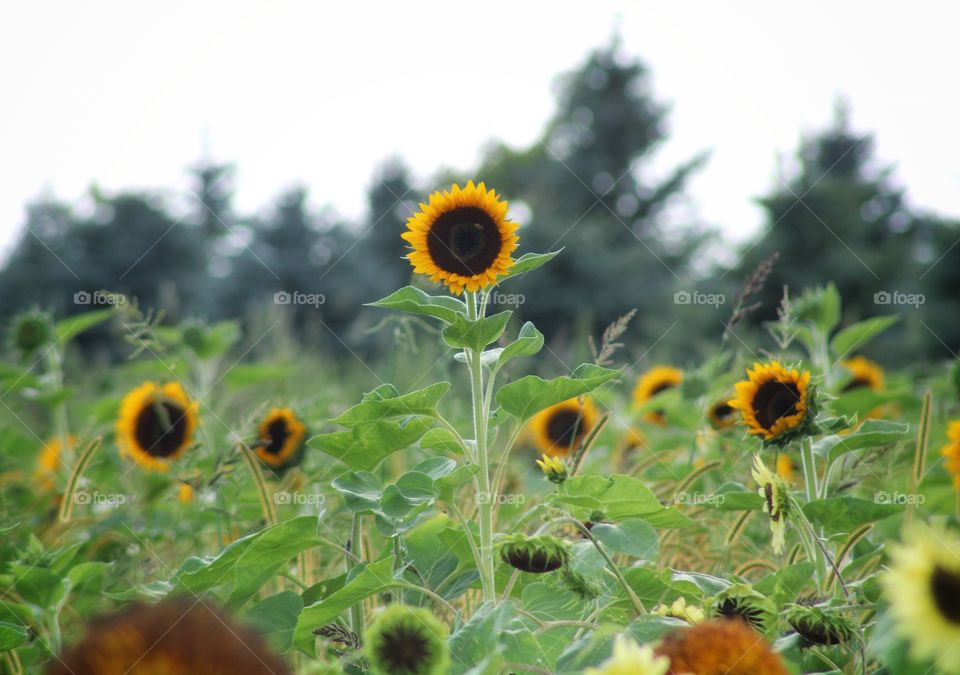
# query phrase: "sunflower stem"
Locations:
[[356, 547], [809, 469], [484, 496]]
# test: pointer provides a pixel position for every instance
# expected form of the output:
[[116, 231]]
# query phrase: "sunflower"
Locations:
[[51, 460], [785, 468], [537, 555], [281, 434], [722, 415], [719, 647], [407, 641], [773, 401], [923, 588], [629, 658], [174, 637], [462, 238], [559, 430], [554, 468], [156, 424], [951, 453], [776, 501], [651, 383], [864, 373]]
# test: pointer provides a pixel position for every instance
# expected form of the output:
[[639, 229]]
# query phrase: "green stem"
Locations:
[[356, 548], [809, 469]]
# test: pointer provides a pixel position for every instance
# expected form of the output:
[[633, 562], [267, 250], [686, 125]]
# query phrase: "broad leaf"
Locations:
[[845, 514], [363, 448], [618, 498], [69, 328], [414, 301], [871, 434], [631, 537], [385, 401], [528, 343], [527, 263], [531, 394], [853, 337], [475, 335]]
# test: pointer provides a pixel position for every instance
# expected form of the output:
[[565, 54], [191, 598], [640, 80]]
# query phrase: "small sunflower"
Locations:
[[185, 493], [923, 588], [559, 430], [537, 555], [773, 401], [174, 637], [630, 658], [156, 424], [462, 238], [719, 647], [951, 453], [864, 373], [407, 641], [819, 626], [281, 435], [50, 461], [722, 415], [651, 383], [776, 501], [554, 468]]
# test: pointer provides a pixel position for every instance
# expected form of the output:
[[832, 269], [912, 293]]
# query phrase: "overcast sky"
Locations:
[[127, 94]]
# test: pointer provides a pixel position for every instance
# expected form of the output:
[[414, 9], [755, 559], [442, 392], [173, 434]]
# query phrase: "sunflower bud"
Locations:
[[818, 626], [776, 501], [537, 555], [681, 610], [30, 331], [554, 468], [407, 641], [742, 602]]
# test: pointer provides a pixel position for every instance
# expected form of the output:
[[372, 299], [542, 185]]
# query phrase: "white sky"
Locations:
[[127, 94]]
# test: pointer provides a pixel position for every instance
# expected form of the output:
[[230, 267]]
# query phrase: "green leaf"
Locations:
[[737, 500], [475, 335], [12, 636], [853, 337], [276, 617], [246, 374], [845, 514], [71, 327], [361, 490], [871, 434], [414, 301], [528, 343], [363, 448], [385, 401], [531, 394], [527, 263], [442, 440], [619, 498], [372, 578], [473, 643], [631, 537]]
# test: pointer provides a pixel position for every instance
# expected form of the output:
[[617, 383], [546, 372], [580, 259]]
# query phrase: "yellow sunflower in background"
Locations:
[[923, 588], [630, 658], [722, 415], [462, 238], [560, 429], [785, 468], [951, 453], [281, 434], [156, 424], [863, 373], [651, 383], [50, 461], [773, 401], [719, 647]]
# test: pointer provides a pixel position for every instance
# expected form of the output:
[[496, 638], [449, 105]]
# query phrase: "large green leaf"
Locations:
[[845, 514], [12, 635], [372, 578], [871, 434], [528, 343], [363, 448], [69, 328], [527, 263], [531, 394], [414, 301], [475, 335], [855, 336], [276, 617], [385, 401], [618, 498], [634, 537]]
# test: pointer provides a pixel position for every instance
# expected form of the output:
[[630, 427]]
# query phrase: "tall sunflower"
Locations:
[[156, 424], [281, 435], [174, 637], [462, 238], [651, 383], [773, 401], [923, 588], [719, 647], [559, 430], [951, 453], [864, 373]]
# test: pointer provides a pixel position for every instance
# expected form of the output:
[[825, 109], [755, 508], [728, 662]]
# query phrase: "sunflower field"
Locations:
[[783, 506]]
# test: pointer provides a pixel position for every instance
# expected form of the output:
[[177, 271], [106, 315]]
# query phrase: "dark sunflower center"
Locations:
[[732, 609], [945, 587], [775, 400], [722, 410], [277, 435], [405, 650], [464, 241], [161, 428], [856, 383], [565, 427]]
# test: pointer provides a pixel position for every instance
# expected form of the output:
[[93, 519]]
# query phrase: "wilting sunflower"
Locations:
[[156, 424], [722, 415], [776, 501], [719, 647], [51, 460], [630, 658], [773, 401], [281, 434], [537, 555], [864, 373], [743, 603], [462, 238], [407, 641], [559, 430], [651, 383], [951, 453], [819, 626], [923, 588], [174, 637]]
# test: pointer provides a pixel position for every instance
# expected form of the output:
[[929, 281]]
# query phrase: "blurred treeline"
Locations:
[[588, 185]]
